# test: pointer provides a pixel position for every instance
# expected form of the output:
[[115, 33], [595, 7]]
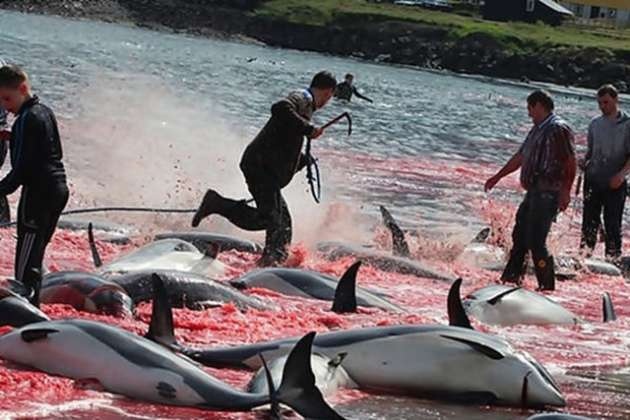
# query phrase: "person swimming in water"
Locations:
[[346, 89], [269, 163]]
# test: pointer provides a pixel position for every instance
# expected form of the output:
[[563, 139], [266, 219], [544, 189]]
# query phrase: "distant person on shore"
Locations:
[[547, 162], [269, 163], [346, 89], [606, 165], [36, 167], [5, 136]]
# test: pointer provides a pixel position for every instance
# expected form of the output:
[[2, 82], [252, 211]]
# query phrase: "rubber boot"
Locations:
[[32, 284], [513, 272], [212, 203], [545, 273]]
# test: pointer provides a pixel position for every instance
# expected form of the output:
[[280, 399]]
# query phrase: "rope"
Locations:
[[314, 179]]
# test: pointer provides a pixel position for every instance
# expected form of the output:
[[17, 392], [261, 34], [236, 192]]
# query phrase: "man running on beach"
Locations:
[[35, 166], [269, 163], [607, 163], [346, 89], [548, 165]]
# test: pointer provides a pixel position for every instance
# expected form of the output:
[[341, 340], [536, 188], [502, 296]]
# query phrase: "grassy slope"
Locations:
[[322, 12]]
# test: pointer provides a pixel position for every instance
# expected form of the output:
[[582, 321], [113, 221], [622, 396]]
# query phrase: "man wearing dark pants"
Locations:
[[269, 163], [35, 166], [547, 162], [607, 162]]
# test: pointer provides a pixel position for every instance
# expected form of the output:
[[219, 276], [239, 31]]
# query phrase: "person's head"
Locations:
[[539, 105], [607, 98], [14, 88], [349, 78], [323, 87]]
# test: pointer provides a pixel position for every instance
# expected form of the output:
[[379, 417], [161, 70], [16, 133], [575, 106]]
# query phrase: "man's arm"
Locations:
[[287, 112], [619, 178], [512, 166], [33, 130], [583, 163], [356, 92], [570, 168]]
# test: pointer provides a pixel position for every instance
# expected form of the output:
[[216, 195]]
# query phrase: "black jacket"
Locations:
[[35, 151], [274, 156]]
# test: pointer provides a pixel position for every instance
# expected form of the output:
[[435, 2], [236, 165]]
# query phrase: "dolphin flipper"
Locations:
[[161, 328], [35, 334], [298, 389], [456, 313], [98, 262], [401, 248], [501, 295], [346, 293], [608, 308]]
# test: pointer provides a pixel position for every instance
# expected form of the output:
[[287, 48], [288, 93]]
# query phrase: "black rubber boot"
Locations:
[[513, 272], [545, 273], [211, 204], [32, 284]]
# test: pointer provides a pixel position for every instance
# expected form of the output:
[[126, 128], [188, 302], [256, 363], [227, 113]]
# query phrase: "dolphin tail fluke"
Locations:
[[298, 389], [96, 257], [456, 313], [608, 308], [161, 329], [346, 293], [401, 248]]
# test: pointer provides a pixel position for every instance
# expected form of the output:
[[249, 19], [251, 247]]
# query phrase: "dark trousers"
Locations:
[[38, 214], [612, 202], [5, 210], [533, 222], [271, 214]]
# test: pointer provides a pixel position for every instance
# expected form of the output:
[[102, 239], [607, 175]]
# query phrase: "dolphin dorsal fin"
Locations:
[[482, 236], [480, 347], [161, 329], [96, 257], [608, 308], [456, 313], [346, 293], [501, 295], [401, 248]]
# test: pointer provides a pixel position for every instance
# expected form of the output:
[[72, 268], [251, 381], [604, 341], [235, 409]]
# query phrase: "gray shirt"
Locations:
[[608, 148]]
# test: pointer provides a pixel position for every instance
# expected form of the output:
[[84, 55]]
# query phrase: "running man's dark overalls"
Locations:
[[36, 166], [269, 163]]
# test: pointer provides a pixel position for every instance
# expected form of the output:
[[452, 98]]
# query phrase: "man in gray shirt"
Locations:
[[607, 162]]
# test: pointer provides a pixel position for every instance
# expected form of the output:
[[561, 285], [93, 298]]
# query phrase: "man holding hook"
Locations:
[[269, 163], [547, 162]]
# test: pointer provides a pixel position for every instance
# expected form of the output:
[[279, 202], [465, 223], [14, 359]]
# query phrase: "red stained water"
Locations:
[[574, 354]]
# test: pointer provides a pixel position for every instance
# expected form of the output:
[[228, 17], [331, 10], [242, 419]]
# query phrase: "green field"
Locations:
[[324, 12]]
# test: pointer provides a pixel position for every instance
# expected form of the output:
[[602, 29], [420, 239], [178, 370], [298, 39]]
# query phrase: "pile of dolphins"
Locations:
[[177, 270]]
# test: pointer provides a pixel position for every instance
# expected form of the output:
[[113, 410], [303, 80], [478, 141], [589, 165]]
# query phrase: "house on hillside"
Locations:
[[547, 11], [615, 11]]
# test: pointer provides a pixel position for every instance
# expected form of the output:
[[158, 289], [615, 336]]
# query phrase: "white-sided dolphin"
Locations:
[[310, 284], [130, 365], [17, 311], [207, 240], [431, 361], [506, 305], [185, 289], [557, 416], [86, 292]]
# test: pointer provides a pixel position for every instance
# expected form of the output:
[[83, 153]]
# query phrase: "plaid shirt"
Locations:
[[545, 152]]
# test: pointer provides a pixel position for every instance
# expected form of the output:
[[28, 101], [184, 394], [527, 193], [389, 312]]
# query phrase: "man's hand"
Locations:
[[5, 135], [316, 133], [616, 181], [564, 199], [490, 183]]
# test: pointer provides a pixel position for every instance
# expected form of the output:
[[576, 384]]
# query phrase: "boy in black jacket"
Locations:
[[268, 164], [36, 167]]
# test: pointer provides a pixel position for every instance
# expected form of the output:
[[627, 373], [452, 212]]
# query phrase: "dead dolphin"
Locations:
[[206, 240], [17, 311]]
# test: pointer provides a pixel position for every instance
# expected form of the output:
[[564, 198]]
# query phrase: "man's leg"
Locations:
[[591, 218], [614, 202], [279, 235], [542, 212], [236, 211], [5, 210], [515, 267]]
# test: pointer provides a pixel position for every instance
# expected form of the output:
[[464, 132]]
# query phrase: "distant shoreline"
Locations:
[[384, 40]]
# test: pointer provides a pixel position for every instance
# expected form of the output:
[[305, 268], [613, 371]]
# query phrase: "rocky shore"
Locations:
[[373, 38]]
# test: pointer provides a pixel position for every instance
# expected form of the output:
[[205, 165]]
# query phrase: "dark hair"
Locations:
[[11, 76], [324, 80], [608, 90], [349, 75], [541, 97]]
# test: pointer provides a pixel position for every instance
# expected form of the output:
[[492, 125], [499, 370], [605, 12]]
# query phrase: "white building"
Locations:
[[616, 11]]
